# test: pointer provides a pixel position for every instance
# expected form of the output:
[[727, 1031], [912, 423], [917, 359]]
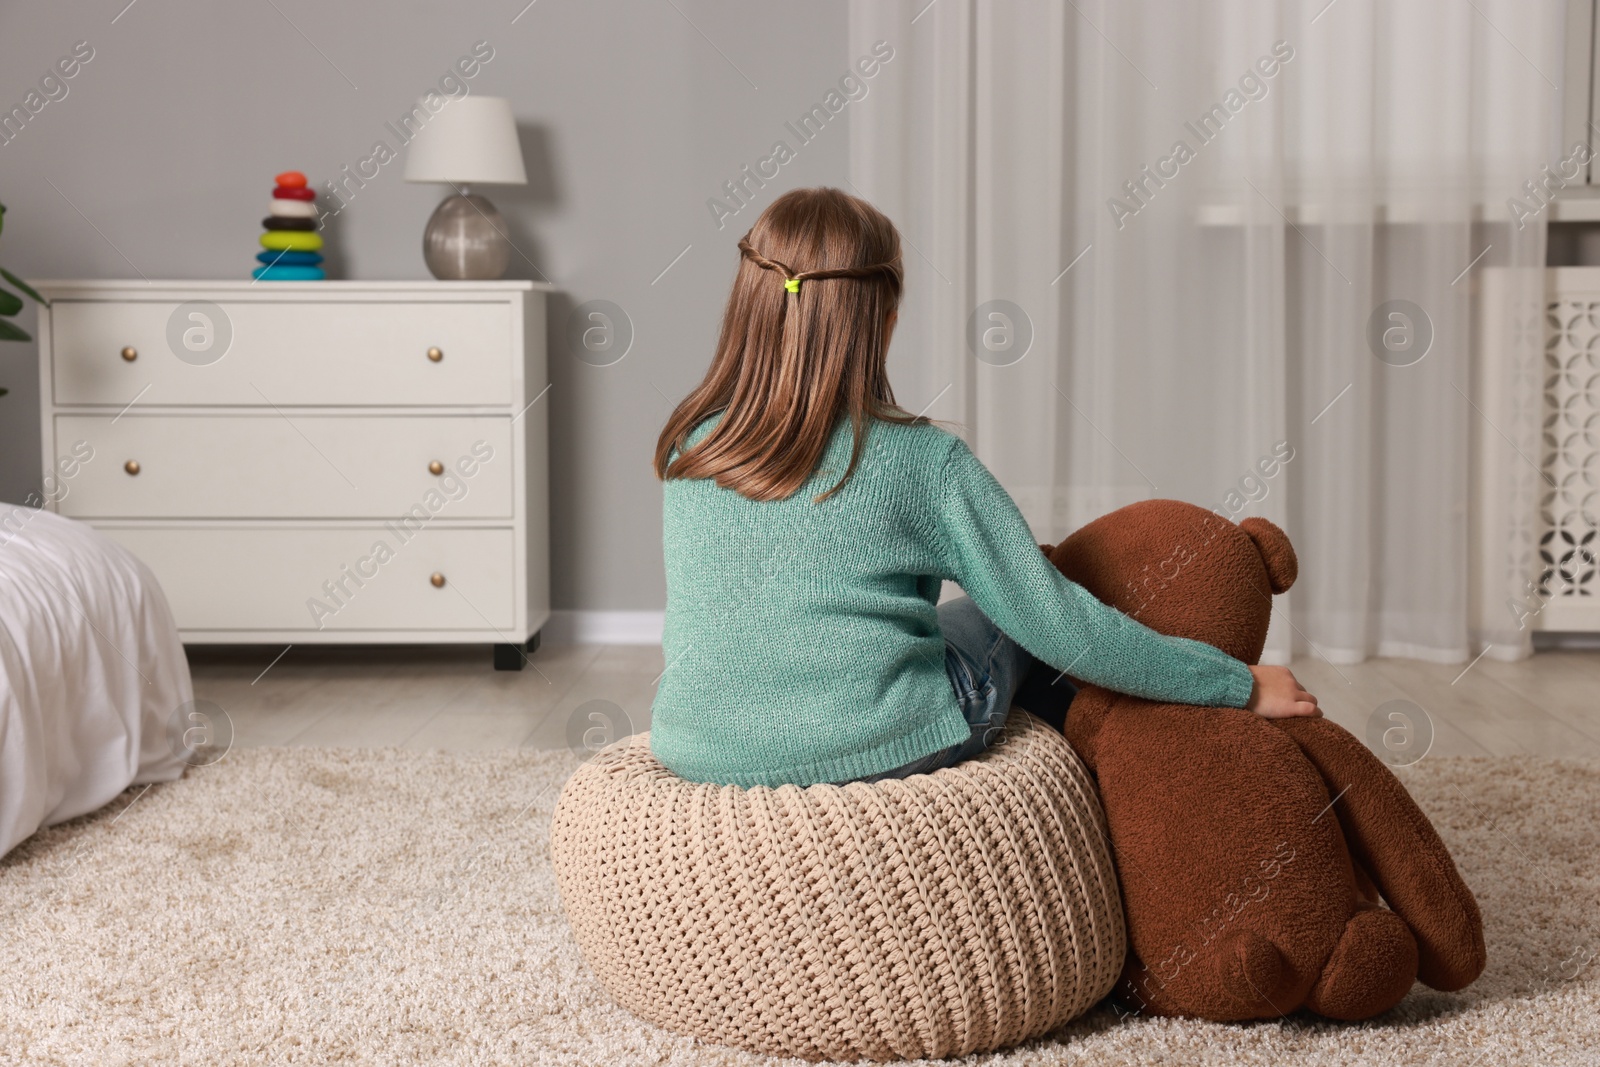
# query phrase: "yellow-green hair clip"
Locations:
[[792, 284]]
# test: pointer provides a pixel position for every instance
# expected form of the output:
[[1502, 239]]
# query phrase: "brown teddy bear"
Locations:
[[1253, 853]]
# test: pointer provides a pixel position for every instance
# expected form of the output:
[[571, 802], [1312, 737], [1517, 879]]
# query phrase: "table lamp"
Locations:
[[472, 141]]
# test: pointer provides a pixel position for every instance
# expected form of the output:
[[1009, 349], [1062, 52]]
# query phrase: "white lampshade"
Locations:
[[472, 141]]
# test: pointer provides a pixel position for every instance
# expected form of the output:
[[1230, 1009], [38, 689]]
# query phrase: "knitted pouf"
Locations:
[[947, 913]]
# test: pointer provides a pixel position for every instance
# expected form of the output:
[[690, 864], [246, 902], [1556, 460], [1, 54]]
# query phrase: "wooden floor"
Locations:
[[581, 696]]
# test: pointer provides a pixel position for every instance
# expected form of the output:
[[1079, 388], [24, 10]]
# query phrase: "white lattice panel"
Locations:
[[1570, 455]]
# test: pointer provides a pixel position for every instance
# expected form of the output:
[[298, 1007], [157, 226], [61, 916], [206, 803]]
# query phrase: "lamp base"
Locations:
[[465, 240]]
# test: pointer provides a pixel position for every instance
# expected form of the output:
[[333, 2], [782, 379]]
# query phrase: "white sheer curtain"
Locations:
[[1203, 317]]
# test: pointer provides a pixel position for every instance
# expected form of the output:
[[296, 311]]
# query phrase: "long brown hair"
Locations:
[[793, 358]]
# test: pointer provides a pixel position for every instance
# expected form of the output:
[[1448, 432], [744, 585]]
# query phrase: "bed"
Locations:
[[93, 678]]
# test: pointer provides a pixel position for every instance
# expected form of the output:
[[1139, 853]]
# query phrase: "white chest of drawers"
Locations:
[[311, 462]]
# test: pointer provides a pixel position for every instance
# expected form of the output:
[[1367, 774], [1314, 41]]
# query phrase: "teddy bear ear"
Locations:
[[1276, 552]]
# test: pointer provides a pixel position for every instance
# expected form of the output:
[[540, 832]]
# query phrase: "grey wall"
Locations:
[[163, 150]]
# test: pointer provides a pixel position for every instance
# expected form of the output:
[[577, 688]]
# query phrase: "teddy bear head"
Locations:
[[1184, 571]]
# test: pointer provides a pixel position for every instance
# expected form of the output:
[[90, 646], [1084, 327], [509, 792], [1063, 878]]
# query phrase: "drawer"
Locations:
[[284, 353], [268, 465], [220, 578]]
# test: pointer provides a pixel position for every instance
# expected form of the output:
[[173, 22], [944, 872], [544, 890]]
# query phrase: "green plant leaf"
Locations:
[[24, 286], [10, 331], [10, 303]]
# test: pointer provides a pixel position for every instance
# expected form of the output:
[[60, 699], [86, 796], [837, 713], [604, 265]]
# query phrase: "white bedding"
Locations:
[[91, 673]]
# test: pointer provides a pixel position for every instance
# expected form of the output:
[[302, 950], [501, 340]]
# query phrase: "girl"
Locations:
[[809, 522]]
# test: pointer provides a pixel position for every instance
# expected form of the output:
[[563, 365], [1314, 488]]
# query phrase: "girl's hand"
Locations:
[[1278, 694]]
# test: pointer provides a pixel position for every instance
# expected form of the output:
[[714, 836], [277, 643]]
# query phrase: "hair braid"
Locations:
[[790, 274]]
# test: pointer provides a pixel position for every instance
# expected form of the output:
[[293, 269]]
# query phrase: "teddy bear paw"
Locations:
[[1371, 968]]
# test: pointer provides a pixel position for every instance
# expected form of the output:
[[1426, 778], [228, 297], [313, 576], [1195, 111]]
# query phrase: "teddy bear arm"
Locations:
[[1393, 841]]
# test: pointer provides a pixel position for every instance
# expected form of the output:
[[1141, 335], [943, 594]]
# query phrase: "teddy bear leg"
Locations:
[[1371, 969], [1249, 970], [1237, 977]]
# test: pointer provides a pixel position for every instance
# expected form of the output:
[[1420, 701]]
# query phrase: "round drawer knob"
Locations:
[[130, 353], [435, 354], [132, 466], [437, 580], [436, 467]]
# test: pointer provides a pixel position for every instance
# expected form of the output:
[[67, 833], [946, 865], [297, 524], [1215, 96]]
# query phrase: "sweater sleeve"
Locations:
[[991, 552]]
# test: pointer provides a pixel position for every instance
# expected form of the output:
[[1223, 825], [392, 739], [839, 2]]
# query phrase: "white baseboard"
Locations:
[[604, 627]]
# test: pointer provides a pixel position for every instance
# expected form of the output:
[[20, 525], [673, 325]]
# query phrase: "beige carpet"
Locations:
[[317, 906]]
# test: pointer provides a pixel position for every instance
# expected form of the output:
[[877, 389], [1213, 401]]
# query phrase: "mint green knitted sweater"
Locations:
[[802, 643]]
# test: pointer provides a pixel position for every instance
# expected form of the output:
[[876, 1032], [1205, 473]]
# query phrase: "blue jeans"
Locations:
[[985, 668]]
